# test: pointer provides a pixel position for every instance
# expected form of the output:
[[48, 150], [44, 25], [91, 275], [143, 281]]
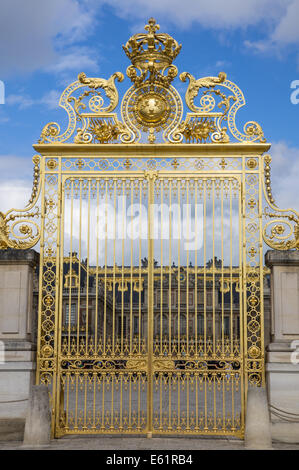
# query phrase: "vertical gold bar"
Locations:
[[67, 401], [105, 274], [196, 402], [121, 402], [112, 400], [58, 305], [223, 403], [187, 274], [222, 272], [131, 284], [138, 404], [139, 271], [85, 400], [161, 409], [103, 376], [76, 402], [169, 400], [204, 266], [241, 313], [122, 270], [196, 279], [179, 269], [97, 274], [215, 403], [71, 268], [213, 267], [130, 400], [179, 401], [205, 377], [261, 273], [188, 402], [94, 376], [87, 272], [161, 274], [231, 268], [79, 268], [244, 277], [233, 402], [170, 279], [113, 288], [150, 305]]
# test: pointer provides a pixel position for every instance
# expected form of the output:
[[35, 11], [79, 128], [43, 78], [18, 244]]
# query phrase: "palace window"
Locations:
[[226, 326]]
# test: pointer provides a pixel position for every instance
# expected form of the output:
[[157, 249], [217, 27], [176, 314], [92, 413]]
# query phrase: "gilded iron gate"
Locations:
[[150, 317], [150, 343]]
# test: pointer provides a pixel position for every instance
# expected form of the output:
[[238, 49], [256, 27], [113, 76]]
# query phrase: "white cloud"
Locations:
[[79, 59], [285, 175], [42, 34], [287, 31], [50, 100], [14, 166], [15, 181], [29, 31], [14, 194], [277, 19], [210, 13], [21, 101]]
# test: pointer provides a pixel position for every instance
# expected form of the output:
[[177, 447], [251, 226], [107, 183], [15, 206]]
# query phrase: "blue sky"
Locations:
[[44, 45]]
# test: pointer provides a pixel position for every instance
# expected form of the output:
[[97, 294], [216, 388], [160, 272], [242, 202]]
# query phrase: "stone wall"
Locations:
[[18, 319]]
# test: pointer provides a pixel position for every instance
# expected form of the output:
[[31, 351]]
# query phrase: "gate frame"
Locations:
[[51, 164]]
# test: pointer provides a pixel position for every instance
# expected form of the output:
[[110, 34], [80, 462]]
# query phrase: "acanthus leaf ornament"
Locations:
[[195, 85], [107, 85]]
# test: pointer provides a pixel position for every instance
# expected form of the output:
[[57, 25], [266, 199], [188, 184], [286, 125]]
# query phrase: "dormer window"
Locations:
[[71, 280]]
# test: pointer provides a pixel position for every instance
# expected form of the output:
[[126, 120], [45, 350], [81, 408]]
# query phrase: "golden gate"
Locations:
[[151, 251]]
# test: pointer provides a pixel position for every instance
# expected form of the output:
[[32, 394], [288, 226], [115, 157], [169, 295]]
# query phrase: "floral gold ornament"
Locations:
[[251, 163], [52, 164]]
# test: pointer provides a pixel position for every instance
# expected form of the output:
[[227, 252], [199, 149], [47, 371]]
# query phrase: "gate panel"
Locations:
[[198, 367], [103, 343], [150, 326]]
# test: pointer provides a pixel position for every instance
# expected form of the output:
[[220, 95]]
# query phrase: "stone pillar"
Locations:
[[17, 331], [282, 364]]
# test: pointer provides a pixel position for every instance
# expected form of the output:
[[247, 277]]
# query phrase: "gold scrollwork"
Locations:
[[160, 364], [136, 364], [284, 234], [27, 238], [281, 232], [228, 107], [96, 103]]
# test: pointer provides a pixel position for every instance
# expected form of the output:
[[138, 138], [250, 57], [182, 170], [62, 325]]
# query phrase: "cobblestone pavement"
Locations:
[[119, 443]]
